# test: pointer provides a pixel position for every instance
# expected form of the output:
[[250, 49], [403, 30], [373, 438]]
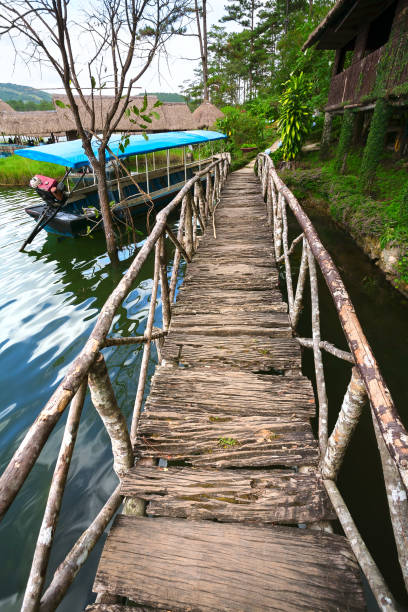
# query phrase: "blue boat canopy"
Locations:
[[72, 155]]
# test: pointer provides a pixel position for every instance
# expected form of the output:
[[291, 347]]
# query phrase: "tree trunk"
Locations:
[[325, 141], [105, 209]]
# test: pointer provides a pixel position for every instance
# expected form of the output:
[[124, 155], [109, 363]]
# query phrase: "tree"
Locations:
[[109, 39], [201, 20], [244, 13]]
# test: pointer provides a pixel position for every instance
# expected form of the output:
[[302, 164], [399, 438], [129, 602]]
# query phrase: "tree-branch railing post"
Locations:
[[176, 259], [104, 401], [319, 371], [366, 382], [164, 284], [146, 349], [188, 227], [288, 271], [45, 539], [347, 420], [208, 194], [300, 286]]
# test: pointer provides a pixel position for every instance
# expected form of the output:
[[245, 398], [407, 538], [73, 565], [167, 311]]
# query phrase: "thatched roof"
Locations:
[[29, 123], [206, 115], [173, 116], [344, 21], [5, 107]]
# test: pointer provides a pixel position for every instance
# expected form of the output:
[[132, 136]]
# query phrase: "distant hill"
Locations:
[[166, 97], [22, 93]]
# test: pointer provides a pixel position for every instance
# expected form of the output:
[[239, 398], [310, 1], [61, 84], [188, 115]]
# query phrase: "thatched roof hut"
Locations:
[[173, 116], [206, 115], [29, 123]]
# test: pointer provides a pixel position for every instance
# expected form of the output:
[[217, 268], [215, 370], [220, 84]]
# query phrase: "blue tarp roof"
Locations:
[[72, 155]]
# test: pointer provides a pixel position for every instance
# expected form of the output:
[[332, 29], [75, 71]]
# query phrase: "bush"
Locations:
[[295, 115], [241, 127]]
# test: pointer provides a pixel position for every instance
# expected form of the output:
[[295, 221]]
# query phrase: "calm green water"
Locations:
[[49, 300]]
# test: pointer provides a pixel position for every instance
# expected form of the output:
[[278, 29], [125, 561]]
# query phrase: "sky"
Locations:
[[165, 74]]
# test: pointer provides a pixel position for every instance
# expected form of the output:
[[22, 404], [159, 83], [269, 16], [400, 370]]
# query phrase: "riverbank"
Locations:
[[377, 223], [17, 171]]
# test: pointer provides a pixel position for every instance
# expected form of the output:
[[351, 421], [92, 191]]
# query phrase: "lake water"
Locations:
[[49, 299]]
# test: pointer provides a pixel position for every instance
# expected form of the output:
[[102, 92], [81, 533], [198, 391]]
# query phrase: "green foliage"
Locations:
[[295, 115], [403, 206], [346, 136], [17, 170], [20, 105], [374, 148], [383, 218], [250, 65], [241, 126]]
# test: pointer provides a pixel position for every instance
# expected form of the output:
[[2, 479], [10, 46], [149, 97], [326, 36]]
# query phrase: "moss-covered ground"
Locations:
[[380, 215]]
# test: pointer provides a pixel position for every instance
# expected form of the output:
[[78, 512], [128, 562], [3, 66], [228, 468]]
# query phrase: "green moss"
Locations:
[[226, 442], [375, 144], [346, 136], [381, 215]]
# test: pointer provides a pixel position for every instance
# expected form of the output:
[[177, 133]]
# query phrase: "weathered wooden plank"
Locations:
[[222, 440], [117, 608], [253, 353], [277, 496], [230, 392], [205, 566]]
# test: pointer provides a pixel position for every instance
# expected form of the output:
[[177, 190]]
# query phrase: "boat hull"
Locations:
[[72, 221]]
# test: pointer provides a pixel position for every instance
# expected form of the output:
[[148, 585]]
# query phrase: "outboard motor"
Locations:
[[48, 189]]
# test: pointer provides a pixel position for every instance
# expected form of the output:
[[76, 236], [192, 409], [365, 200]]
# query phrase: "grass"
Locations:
[[377, 215], [17, 171]]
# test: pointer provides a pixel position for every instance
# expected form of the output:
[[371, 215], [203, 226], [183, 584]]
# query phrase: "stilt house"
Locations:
[[371, 43]]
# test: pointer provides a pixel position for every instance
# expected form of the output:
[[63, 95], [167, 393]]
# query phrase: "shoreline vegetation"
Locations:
[[373, 221]]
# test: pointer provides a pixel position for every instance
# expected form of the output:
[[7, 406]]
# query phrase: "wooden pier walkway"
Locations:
[[229, 412]]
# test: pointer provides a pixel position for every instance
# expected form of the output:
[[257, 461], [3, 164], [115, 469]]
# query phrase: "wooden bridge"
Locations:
[[229, 497]]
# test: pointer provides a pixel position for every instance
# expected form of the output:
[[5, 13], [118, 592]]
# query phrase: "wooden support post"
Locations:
[[50, 518], [199, 199], [269, 201], [79, 553], [298, 301], [347, 420], [164, 284], [208, 194], [176, 259], [289, 284], [177, 243], [189, 245], [320, 382], [368, 566], [397, 501], [277, 223], [104, 400], [146, 349]]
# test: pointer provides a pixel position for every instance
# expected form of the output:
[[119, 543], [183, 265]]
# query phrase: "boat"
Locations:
[[76, 211]]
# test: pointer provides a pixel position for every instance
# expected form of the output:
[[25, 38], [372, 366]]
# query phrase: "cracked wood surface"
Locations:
[[277, 496], [212, 407], [201, 565]]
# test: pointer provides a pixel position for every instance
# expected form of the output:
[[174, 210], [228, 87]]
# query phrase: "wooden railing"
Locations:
[[365, 379], [349, 86], [196, 207]]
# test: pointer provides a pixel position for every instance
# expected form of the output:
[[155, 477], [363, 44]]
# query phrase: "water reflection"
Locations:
[[50, 297]]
